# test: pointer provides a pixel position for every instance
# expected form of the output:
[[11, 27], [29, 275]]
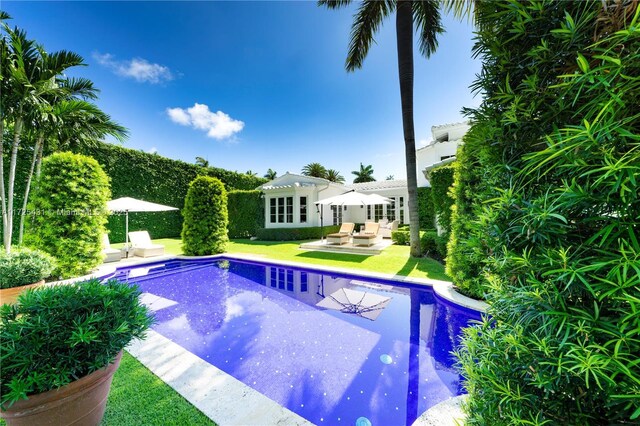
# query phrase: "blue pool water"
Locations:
[[383, 362]]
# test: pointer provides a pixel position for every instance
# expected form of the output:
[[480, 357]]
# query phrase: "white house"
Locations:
[[290, 198], [441, 150]]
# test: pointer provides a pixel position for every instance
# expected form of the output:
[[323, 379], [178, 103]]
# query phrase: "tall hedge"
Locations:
[[204, 230], [69, 212], [441, 179], [561, 342], [426, 211], [246, 213]]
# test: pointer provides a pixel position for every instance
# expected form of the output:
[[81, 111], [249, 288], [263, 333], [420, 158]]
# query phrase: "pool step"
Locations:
[[160, 272]]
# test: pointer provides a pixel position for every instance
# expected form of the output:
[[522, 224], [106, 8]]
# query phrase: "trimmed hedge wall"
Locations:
[[441, 180], [246, 213], [204, 230], [431, 244], [294, 234], [157, 179], [426, 212]]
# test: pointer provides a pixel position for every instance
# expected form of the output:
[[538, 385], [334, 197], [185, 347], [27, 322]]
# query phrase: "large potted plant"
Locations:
[[61, 346], [22, 269]]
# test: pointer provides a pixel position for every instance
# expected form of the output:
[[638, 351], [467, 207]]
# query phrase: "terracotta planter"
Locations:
[[10, 295], [80, 403]]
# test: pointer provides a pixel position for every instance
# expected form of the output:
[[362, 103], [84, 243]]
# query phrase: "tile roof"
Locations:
[[381, 184]]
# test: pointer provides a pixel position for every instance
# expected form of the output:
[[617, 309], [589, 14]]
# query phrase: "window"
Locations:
[[281, 278], [304, 282], [289, 207], [401, 209], [444, 157], [391, 210], [281, 209], [273, 273], [303, 209], [272, 210], [337, 214], [290, 280], [379, 212], [368, 212]]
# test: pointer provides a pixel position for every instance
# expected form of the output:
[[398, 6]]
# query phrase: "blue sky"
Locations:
[[254, 85]]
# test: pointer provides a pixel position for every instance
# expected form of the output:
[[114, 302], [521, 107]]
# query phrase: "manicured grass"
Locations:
[[393, 260], [139, 398]]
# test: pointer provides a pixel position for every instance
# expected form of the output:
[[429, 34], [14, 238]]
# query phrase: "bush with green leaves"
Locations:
[[296, 234], [204, 230], [246, 213], [69, 206], [24, 266], [55, 335], [561, 341], [431, 244], [441, 179], [426, 211]]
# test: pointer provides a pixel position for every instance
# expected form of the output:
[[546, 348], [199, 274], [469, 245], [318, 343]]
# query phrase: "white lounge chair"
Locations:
[[386, 229], [343, 235], [369, 236], [110, 254], [142, 245]]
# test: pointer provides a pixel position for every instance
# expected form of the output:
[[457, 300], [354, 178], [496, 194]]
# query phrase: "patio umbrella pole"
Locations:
[[126, 232]]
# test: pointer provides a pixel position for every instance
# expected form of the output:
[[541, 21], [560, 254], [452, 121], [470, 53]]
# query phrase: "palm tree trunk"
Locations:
[[34, 160], [3, 195], [8, 230], [404, 35], [39, 163]]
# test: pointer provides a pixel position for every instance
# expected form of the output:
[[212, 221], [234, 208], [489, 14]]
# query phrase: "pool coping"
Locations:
[[225, 399]]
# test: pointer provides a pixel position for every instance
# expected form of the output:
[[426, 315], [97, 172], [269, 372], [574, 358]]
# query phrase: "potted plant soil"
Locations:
[[22, 269], [61, 346]]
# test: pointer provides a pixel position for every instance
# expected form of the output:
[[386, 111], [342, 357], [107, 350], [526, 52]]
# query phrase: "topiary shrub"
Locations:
[[400, 237], [55, 335], [69, 212], [24, 266], [204, 230], [295, 234], [246, 213], [561, 340]]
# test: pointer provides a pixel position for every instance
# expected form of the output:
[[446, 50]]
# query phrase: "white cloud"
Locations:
[[153, 150], [218, 125], [139, 69]]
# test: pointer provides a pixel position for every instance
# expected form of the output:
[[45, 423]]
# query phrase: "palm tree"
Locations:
[[315, 170], [365, 174], [271, 174], [202, 162], [390, 177], [367, 21], [334, 176], [251, 173]]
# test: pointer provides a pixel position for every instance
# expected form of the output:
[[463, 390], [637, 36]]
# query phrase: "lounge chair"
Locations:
[[369, 236], [343, 235], [142, 245], [110, 254], [386, 229]]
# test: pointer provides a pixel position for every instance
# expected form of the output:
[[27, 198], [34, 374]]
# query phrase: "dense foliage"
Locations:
[[157, 179], [431, 244], [55, 335], [562, 87], [246, 213], [295, 234], [24, 266], [204, 230], [441, 179], [426, 211], [69, 208]]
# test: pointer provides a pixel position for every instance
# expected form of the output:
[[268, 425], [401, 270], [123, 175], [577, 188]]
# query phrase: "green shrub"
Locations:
[[433, 245], [426, 212], [55, 335], [441, 180], [400, 237], [24, 266], [204, 230], [561, 341], [69, 205], [295, 234], [246, 213]]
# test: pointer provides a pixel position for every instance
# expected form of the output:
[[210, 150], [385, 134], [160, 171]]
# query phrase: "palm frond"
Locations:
[[426, 17], [334, 4], [462, 9], [57, 62], [366, 23], [81, 87]]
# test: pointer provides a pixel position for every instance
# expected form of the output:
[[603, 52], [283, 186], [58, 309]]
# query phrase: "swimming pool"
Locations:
[[333, 348]]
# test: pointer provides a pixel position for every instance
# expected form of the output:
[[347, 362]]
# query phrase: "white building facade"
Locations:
[[441, 150]]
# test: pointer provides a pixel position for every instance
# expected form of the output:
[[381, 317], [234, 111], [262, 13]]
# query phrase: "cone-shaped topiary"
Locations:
[[69, 212], [204, 230]]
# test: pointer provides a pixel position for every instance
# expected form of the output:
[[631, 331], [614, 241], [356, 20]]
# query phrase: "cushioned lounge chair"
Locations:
[[386, 229], [142, 245], [343, 235], [110, 254], [369, 236]]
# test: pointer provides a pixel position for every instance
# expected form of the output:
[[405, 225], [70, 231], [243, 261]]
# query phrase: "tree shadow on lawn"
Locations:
[[432, 268], [340, 257]]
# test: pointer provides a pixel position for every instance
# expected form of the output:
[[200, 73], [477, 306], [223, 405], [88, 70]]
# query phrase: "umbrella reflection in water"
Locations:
[[360, 303]]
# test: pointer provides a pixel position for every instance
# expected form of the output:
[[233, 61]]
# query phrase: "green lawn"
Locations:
[[393, 260]]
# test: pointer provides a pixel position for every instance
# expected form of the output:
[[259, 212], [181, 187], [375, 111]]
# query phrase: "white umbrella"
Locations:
[[128, 204], [360, 303]]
